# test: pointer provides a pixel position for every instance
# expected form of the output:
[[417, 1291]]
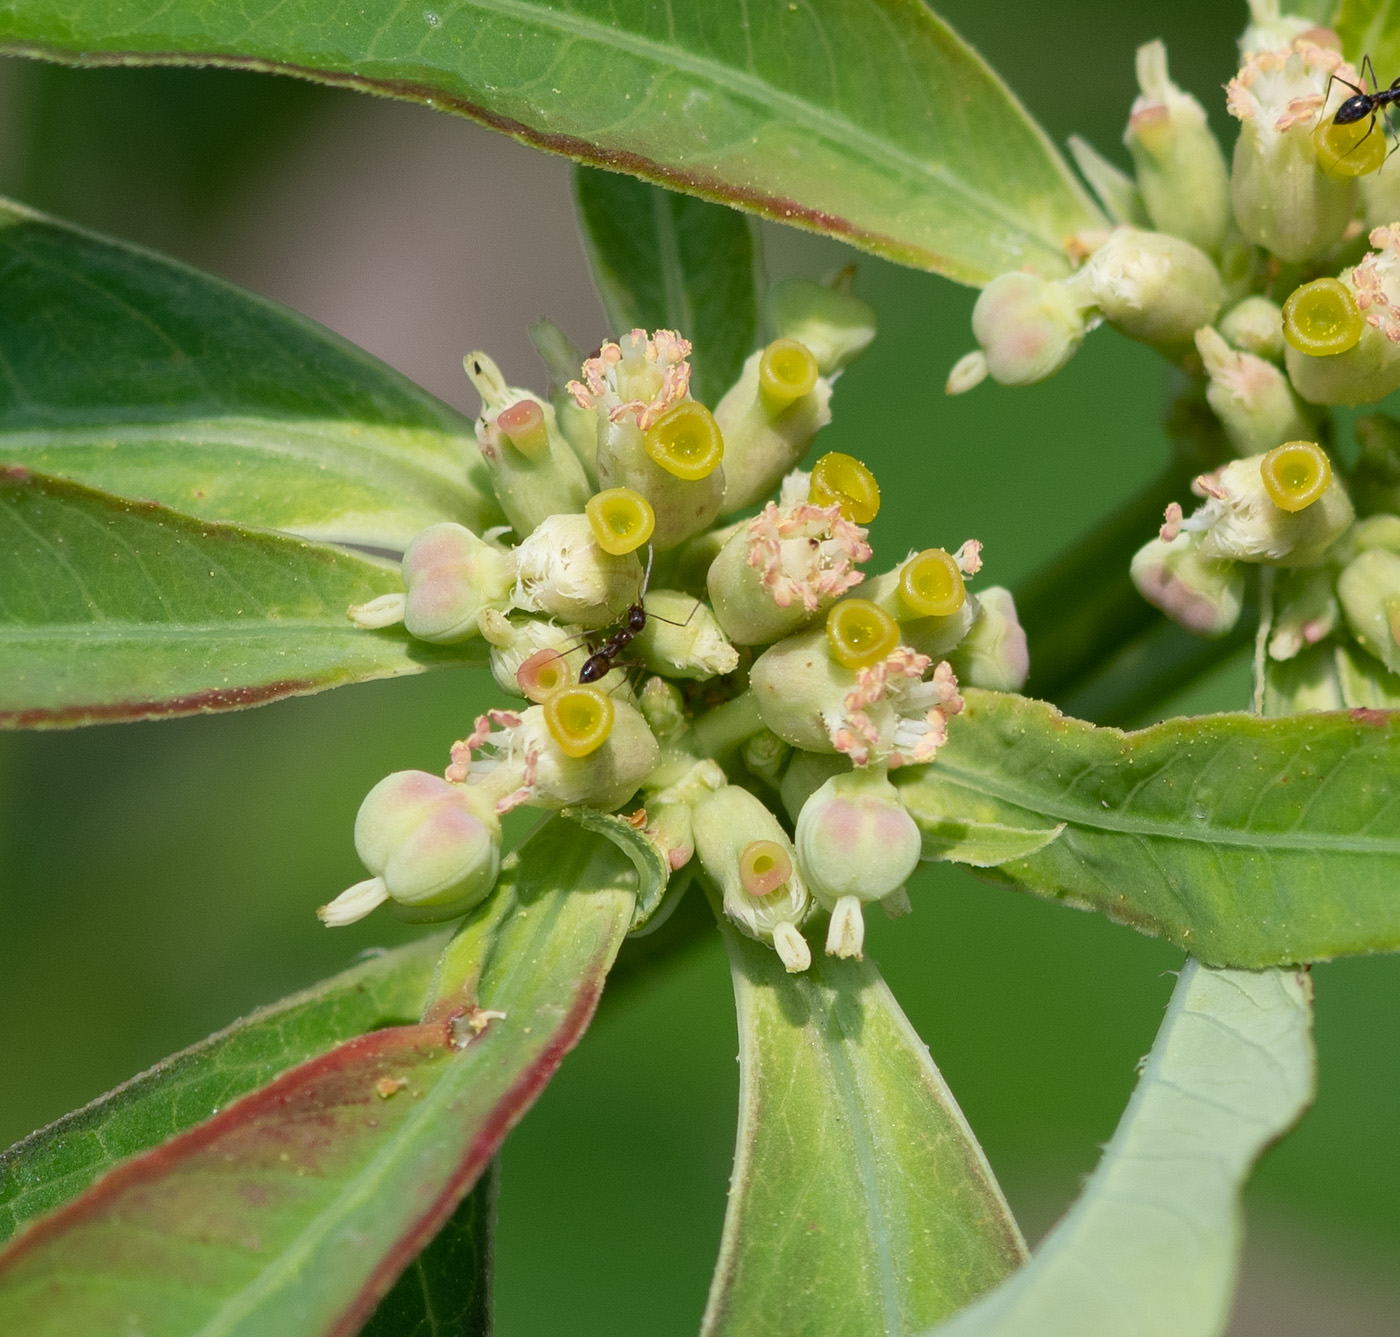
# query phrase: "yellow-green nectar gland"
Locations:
[[579, 719], [622, 520], [686, 441], [842, 480], [931, 584], [764, 866], [786, 371], [542, 674], [1321, 319], [861, 633], [1296, 474], [1349, 150], [524, 424]]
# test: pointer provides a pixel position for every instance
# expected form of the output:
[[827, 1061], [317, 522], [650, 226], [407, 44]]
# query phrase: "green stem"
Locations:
[[725, 728], [1261, 637]]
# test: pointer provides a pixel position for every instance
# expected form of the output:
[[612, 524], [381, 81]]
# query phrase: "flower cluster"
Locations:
[[685, 647]]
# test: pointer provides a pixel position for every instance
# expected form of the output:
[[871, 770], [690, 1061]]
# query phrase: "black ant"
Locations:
[[632, 623], [1364, 103]]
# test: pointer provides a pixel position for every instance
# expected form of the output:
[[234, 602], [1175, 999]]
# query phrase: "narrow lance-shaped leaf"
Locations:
[[292, 1212], [662, 260], [860, 1201], [866, 119], [119, 610], [1247, 841], [138, 375], [1152, 1246], [58, 1162]]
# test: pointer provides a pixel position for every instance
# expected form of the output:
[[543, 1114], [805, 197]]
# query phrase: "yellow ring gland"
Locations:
[[622, 520], [686, 441], [764, 866], [524, 424], [931, 584], [1349, 150], [786, 371], [542, 674], [1296, 474], [1321, 318], [579, 719], [842, 480], [861, 633]]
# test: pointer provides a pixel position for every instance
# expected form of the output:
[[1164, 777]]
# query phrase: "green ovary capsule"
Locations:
[[1321, 319], [686, 441], [931, 584], [1296, 474], [860, 633]]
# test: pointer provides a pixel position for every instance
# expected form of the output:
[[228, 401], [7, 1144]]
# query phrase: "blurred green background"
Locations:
[[158, 880]]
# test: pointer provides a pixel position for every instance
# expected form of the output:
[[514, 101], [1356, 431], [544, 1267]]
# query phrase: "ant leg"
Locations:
[[1363, 138], [671, 622]]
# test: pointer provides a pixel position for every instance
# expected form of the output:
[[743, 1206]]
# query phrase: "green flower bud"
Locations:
[[1152, 286], [782, 569], [682, 638], [1364, 683], [433, 847], [1284, 200], [1202, 595], [1305, 611], [453, 577], [1028, 328], [1242, 521], [830, 320], [534, 471], [564, 572], [662, 706], [637, 388], [1252, 398], [1255, 325], [1375, 482], [1376, 531], [1180, 168], [729, 823], [1369, 591], [1366, 365], [855, 843], [994, 653], [765, 756], [766, 433]]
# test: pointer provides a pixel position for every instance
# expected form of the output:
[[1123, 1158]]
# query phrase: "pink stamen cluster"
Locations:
[[969, 557], [498, 748], [1375, 274], [613, 374], [921, 710], [1287, 87], [806, 553], [1171, 522]]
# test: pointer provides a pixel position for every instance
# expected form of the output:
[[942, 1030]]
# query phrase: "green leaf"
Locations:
[[668, 261], [1249, 842], [120, 610], [1371, 27], [653, 871], [446, 1290], [60, 1161], [866, 119], [291, 1212], [1152, 1246], [860, 1201], [140, 376], [981, 844]]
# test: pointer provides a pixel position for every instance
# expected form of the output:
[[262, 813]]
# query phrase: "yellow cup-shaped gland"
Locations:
[[786, 371], [579, 719], [931, 584], [764, 866], [524, 425], [1349, 150], [860, 633], [686, 441], [622, 520], [842, 480], [542, 674], [1296, 474], [1321, 319]]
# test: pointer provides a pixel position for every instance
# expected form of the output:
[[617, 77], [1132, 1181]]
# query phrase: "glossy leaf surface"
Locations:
[[118, 610], [52, 1165], [140, 376], [1152, 1246], [866, 119], [292, 1212], [1249, 842], [667, 261], [860, 1201]]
